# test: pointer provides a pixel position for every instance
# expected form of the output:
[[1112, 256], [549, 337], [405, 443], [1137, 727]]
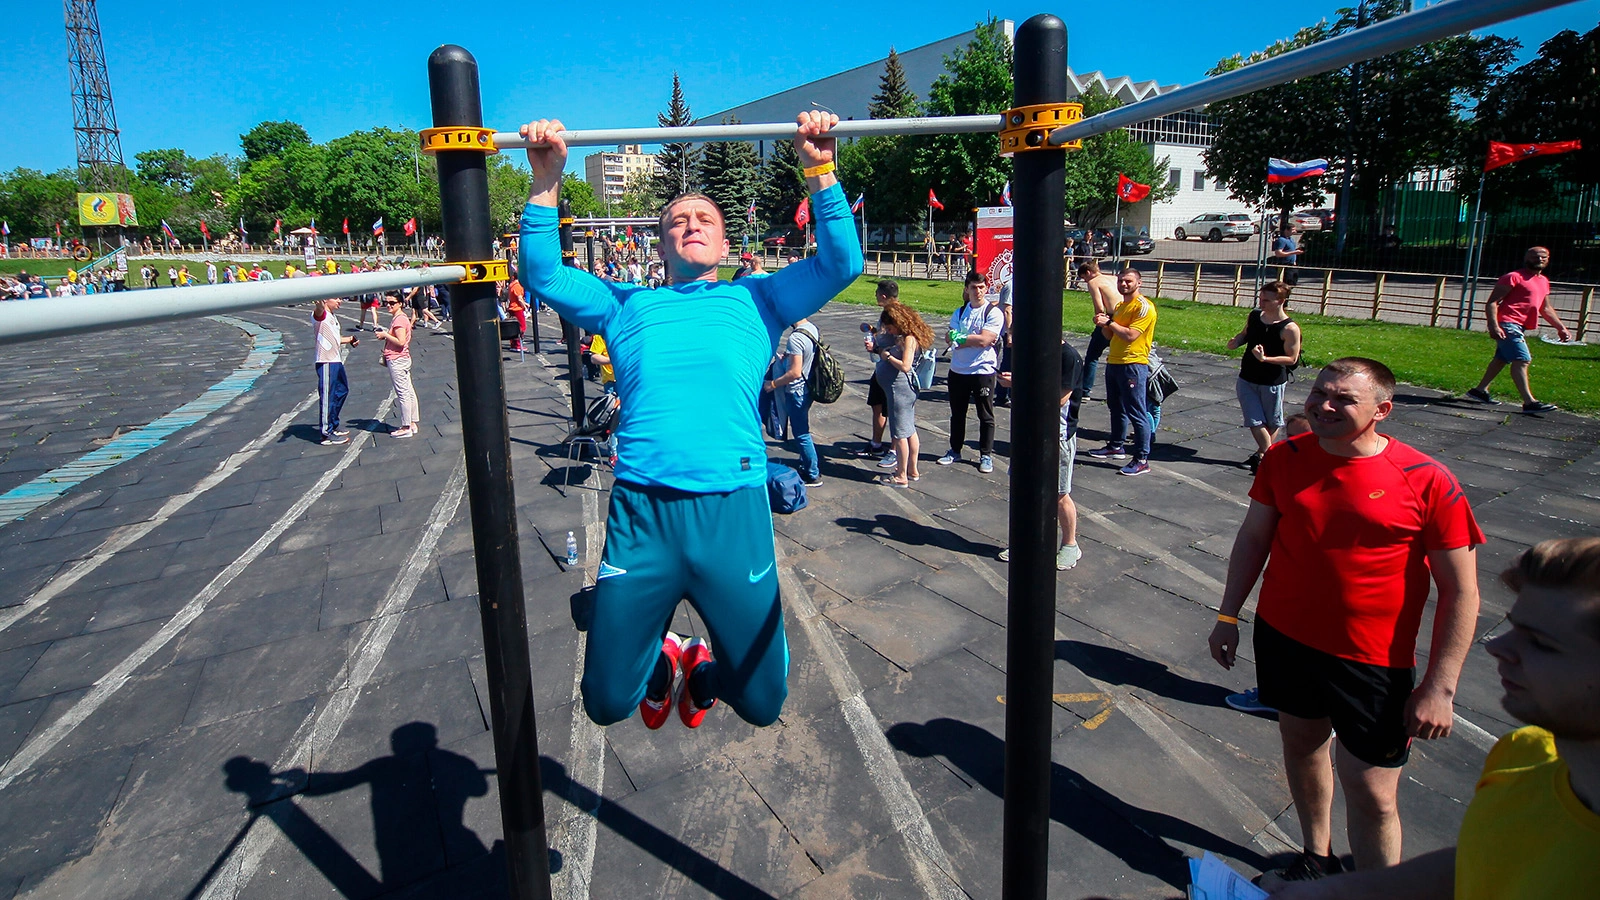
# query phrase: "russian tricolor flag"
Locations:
[[1280, 170]]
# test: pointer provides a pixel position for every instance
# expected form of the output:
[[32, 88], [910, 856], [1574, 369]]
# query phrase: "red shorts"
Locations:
[[371, 303]]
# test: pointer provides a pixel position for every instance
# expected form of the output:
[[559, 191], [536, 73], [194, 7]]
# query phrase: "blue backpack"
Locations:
[[785, 490]]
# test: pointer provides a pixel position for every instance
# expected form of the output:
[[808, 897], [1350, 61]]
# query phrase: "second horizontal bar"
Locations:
[[602, 137]]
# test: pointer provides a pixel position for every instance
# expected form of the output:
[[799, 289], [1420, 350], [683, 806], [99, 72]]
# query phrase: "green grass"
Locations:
[[1442, 358]]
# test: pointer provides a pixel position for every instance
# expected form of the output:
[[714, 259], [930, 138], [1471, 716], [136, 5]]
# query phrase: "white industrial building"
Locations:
[[608, 172], [1180, 137]]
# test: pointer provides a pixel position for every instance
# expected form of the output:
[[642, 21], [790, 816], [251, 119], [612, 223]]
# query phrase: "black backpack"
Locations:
[[826, 379]]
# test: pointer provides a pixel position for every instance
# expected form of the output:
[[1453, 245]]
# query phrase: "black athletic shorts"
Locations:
[[1366, 703], [875, 396]]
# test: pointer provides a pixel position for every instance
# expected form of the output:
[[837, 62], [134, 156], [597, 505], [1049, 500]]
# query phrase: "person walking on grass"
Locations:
[[1272, 348], [899, 340], [1519, 300], [397, 357]]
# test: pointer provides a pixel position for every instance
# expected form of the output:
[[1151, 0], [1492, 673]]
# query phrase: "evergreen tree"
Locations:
[[895, 99], [730, 173], [783, 186], [677, 163]]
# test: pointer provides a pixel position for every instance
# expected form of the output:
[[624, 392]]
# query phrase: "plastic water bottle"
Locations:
[[572, 549]]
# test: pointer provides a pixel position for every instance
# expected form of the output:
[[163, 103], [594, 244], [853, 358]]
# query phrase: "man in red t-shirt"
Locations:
[[1519, 299], [1351, 527]]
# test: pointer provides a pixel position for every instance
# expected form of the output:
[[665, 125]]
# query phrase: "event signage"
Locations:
[[106, 209], [993, 250]]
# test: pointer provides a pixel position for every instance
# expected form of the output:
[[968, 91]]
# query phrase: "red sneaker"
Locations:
[[654, 711], [696, 653]]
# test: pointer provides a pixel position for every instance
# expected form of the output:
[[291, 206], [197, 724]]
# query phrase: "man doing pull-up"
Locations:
[[689, 515]]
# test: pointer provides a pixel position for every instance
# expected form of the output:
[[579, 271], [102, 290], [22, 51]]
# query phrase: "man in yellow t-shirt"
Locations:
[[1130, 328], [1532, 831], [598, 355]]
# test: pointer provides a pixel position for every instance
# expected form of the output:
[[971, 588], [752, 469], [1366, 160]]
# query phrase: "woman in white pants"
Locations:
[[397, 356]]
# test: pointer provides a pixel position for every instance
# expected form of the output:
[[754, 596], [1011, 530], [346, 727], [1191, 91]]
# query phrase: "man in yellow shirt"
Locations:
[[1532, 831], [1130, 328]]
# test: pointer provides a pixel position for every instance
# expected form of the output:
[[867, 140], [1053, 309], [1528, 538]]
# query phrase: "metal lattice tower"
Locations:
[[94, 119]]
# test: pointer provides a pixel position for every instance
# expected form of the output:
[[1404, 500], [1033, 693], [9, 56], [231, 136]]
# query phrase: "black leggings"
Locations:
[[978, 390]]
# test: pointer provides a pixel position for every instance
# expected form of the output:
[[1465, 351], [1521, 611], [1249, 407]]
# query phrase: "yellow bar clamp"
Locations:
[[566, 221], [489, 270], [458, 138], [1028, 127]]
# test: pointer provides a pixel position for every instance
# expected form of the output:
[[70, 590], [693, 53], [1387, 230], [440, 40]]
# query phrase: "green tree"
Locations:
[[508, 193], [168, 168], [881, 167], [375, 174], [32, 202], [895, 99], [638, 197], [1091, 173], [677, 163], [579, 195], [966, 169], [1553, 97], [730, 173], [271, 139], [1380, 120], [783, 187]]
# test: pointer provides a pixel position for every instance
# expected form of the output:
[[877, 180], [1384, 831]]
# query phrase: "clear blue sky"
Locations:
[[196, 75]]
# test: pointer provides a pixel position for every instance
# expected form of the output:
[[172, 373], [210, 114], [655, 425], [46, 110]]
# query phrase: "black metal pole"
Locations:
[[569, 331], [1038, 185], [464, 201]]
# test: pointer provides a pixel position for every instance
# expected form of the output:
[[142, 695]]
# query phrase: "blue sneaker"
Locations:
[[1137, 467], [1110, 451], [1248, 702]]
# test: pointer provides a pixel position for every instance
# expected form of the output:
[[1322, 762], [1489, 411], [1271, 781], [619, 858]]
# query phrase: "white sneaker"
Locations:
[[949, 458], [1067, 557], [889, 461]]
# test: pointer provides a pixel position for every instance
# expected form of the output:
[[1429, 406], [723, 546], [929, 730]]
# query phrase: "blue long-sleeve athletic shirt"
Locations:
[[690, 358]]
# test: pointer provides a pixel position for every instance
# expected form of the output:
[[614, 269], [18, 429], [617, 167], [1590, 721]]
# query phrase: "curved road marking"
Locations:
[[25, 498]]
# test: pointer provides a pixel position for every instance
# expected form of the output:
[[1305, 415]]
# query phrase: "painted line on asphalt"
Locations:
[[1474, 735], [320, 729], [929, 862], [577, 831], [1213, 490], [25, 498], [112, 682], [124, 538], [1127, 540]]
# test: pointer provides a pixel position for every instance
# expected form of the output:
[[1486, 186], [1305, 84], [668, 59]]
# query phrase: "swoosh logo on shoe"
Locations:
[[607, 570], [757, 576]]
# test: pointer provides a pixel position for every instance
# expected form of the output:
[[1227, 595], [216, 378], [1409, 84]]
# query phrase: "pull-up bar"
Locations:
[[1428, 24], [1399, 33]]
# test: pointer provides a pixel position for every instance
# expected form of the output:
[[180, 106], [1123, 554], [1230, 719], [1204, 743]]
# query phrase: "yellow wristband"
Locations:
[[1230, 620], [823, 169]]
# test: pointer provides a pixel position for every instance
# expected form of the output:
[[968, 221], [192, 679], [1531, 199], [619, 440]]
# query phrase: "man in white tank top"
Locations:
[[332, 386]]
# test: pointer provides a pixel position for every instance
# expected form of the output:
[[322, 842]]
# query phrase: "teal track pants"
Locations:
[[715, 550]]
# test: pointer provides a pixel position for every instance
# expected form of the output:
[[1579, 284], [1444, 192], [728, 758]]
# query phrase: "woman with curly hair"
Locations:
[[900, 339]]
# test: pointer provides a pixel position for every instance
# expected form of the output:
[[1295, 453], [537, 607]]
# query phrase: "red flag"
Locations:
[[411, 226], [1505, 154], [1129, 190], [934, 201], [58, 231], [630, 231], [277, 226], [205, 231], [346, 224], [802, 213]]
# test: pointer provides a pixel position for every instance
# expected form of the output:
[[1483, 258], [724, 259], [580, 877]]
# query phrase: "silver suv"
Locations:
[[1217, 226]]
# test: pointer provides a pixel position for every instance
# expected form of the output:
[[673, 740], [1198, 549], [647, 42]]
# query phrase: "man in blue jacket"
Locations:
[[689, 514]]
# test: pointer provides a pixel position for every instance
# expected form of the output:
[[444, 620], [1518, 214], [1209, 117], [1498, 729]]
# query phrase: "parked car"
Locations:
[[1314, 219], [1216, 227], [1133, 240]]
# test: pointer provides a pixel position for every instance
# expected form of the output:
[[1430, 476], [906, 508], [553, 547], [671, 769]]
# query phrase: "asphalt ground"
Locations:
[[243, 664]]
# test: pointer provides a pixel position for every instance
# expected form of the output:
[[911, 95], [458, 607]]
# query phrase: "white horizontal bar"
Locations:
[[601, 137], [1419, 27], [32, 320]]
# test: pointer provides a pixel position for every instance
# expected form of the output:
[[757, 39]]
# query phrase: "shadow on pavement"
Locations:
[[1115, 666], [902, 530], [1135, 835]]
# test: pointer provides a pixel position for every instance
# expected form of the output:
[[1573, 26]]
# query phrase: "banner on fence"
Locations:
[[993, 250], [106, 209]]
